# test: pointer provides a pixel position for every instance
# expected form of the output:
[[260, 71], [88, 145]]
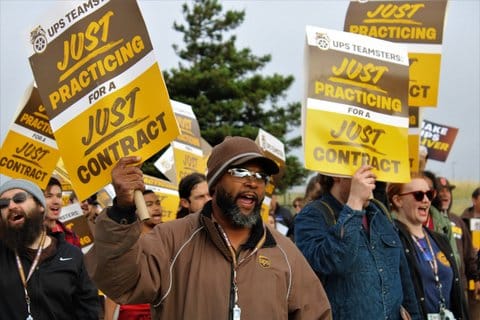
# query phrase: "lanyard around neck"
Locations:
[[30, 272], [433, 264], [232, 250], [236, 309]]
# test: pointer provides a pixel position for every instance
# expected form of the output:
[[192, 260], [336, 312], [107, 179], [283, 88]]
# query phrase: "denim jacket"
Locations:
[[365, 274]]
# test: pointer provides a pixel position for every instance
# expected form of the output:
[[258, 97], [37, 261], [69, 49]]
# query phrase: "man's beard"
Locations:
[[20, 237], [226, 202]]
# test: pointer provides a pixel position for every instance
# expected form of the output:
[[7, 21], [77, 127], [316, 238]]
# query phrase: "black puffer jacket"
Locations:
[[59, 288]]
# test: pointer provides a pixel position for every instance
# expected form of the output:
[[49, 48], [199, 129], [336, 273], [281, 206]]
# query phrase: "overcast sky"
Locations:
[[278, 28]]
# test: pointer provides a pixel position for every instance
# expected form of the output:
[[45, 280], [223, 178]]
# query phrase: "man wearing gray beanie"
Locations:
[[222, 262], [44, 276]]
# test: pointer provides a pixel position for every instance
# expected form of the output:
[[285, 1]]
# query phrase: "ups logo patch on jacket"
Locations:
[[264, 262]]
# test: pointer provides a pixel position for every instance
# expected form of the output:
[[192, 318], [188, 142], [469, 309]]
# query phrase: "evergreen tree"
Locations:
[[224, 87]]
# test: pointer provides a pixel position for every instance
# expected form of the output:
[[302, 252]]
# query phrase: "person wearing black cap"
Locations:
[[220, 263], [43, 276]]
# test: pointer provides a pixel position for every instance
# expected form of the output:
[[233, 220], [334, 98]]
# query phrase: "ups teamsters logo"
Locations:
[[322, 40], [38, 39], [264, 262]]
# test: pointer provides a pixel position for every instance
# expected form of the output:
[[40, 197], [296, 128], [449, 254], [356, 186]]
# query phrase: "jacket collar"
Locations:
[[468, 213]]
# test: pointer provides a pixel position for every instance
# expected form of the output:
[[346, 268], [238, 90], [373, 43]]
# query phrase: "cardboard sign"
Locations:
[[105, 196], [187, 160], [419, 24], [188, 124], [185, 155], [166, 165], [180, 160], [475, 229], [438, 139], [168, 194], [265, 209], [206, 148], [187, 147], [274, 149], [29, 151], [414, 138], [356, 107], [424, 79], [73, 218], [62, 175], [102, 89], [413, 145]]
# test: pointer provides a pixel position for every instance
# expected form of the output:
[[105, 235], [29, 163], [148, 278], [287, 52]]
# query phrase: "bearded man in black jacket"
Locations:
[[43, 276]]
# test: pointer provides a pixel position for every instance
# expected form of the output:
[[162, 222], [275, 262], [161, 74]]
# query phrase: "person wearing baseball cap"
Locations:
[[46, 276], [443, 201], [221, 262]]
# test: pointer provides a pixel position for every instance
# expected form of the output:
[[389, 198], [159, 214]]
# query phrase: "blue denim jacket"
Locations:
[[365, 274]]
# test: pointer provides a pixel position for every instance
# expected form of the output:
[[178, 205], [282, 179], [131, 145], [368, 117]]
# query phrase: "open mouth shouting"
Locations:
[[156, 217], [16, 218], [54, 211], [423, 211], [247, 200]]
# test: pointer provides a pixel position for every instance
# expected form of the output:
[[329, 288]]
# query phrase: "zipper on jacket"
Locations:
[[234, 309], [232, 294]]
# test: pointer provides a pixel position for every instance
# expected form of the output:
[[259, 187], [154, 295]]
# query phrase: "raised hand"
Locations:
[[126, 178], [362, 185]]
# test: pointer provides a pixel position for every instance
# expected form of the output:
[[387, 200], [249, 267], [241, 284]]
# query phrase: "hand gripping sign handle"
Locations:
[[365, 162], [142, 211]]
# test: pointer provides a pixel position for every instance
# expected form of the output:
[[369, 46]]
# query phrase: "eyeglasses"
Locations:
[[17, 198], [244, 173], [419, 195]]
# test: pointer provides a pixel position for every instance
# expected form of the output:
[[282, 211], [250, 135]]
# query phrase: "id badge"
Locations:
[[236, 312], [446, 314], [433, 316]]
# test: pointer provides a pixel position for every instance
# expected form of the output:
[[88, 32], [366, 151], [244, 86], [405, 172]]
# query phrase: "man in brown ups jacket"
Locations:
[[220, 263]]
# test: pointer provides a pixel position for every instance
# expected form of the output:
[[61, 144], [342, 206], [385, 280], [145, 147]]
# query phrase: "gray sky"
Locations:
[[278, 28]]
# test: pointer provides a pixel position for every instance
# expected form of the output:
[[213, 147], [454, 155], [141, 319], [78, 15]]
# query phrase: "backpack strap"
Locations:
[[326, 211], [383, 208], [329, 215]]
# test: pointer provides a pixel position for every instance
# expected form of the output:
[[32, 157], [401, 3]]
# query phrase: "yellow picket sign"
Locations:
[[30, 150], [110, 135], [424, 79], [419, 25], [413, 147], [336, 145], [356, 107], [168, 195], [187, 162], [105, 94]]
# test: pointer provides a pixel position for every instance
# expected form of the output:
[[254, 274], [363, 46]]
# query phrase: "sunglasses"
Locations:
[[244, 173], [17, 198], [419, 195]]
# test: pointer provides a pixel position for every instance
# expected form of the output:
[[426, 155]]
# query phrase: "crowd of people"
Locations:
[[353, 248]]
